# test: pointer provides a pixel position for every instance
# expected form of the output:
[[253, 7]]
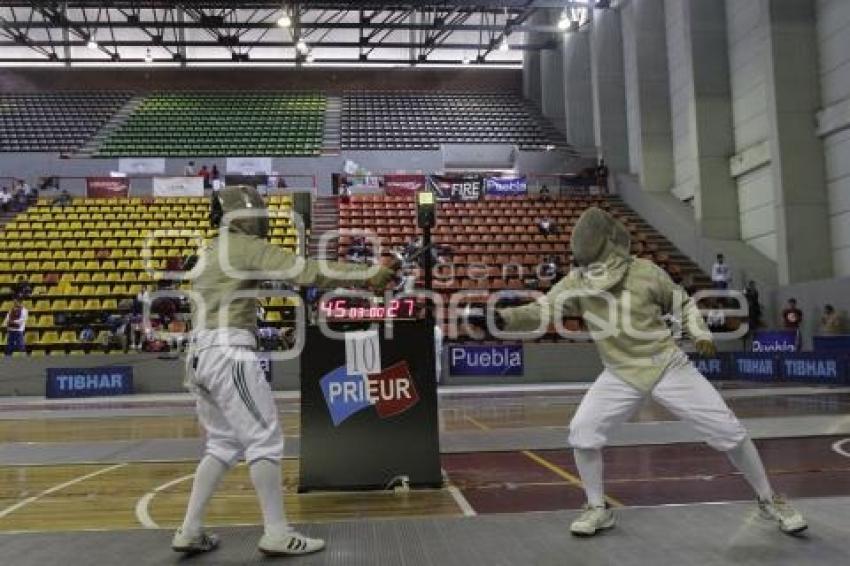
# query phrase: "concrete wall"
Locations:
[[681, 99], [543, 363], [34, 165], [833, 28], [748, 64]]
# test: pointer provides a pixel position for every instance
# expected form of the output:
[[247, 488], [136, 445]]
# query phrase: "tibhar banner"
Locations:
[[142, 166], [249, 165], [403, 185], [456, 187], [506, 186], [178, 186], [107, 187], [89, 382]]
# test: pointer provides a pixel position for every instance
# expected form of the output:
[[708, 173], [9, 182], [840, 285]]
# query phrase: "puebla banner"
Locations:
[[178, 186], [107, 187], [404, 185], [486, 360], [506, 186], [456, 187]]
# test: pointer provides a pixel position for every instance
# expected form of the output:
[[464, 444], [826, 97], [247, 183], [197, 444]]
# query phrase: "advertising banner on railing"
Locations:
[[249, 165], [775, 341], [809, 367], [142, 165], [89, 382], [834, 343], [814, 367], [506, 186], [505, 359], [178, 186], [107, 187], [404, 185], [456, 187]]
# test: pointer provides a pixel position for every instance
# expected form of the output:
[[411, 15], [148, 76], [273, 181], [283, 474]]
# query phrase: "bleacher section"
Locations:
[[53, 122], [486, 236], [221, 124], [424, 121], [88, 258]]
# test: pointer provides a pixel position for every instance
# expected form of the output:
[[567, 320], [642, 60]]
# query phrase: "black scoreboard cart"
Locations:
[[369, 407]]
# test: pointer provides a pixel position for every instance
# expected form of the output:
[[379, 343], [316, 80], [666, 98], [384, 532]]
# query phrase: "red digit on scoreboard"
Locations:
[[326, 308], [339, 308], [392, 310], [410, 305]]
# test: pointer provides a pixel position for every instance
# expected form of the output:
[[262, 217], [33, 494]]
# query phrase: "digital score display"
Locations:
[[353, 309]]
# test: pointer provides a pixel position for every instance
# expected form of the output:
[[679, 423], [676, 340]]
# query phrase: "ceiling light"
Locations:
[[284, 21], [564, 22], [301, 46], [92, 43], [310, 58]]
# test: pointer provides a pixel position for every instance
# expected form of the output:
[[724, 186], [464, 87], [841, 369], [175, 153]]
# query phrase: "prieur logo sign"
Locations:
[[392, 392]]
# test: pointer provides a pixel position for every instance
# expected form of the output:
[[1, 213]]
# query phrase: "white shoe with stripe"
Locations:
[[290, 544], [189, 544]]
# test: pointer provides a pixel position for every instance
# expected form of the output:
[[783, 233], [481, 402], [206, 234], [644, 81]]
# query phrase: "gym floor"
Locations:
[[125, 465]]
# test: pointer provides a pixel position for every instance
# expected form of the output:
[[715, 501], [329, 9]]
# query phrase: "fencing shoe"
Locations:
[[202, 542], [592, 520], [289, 544], [778, 509]]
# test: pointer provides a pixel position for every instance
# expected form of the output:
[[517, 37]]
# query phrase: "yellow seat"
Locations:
[[109, 304], [92, 304], [273, 316], [49, 338]]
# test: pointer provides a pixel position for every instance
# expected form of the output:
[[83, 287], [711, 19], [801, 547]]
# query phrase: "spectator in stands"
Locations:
[[189, 169], [751, 293], [5, 199], [23, 289], [344, 194], [547, 226], [716, 316], [87, 337], [602, 176], [721, 274], [830, 322], [214, 174], [62, 200], [205, 173], [544, 194], [15, 323], [792, 317], [549, 267], [359, 251]]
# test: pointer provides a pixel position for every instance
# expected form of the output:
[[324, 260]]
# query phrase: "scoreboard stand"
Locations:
[[369, 403]]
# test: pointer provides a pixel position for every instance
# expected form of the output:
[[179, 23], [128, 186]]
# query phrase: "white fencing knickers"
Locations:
[[682, 390], [235, 404]]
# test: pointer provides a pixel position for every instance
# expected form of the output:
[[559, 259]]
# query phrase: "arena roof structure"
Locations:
[[273, 32]]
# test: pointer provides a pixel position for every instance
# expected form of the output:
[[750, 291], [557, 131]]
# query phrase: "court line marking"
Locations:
[[838, 447], [142, 514], [58, 487], [461, 501], [552, 467]]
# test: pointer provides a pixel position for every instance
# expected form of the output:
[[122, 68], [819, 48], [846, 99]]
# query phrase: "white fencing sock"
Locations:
[[265, 475], [746, 458], [589, 463], [207, 477]]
